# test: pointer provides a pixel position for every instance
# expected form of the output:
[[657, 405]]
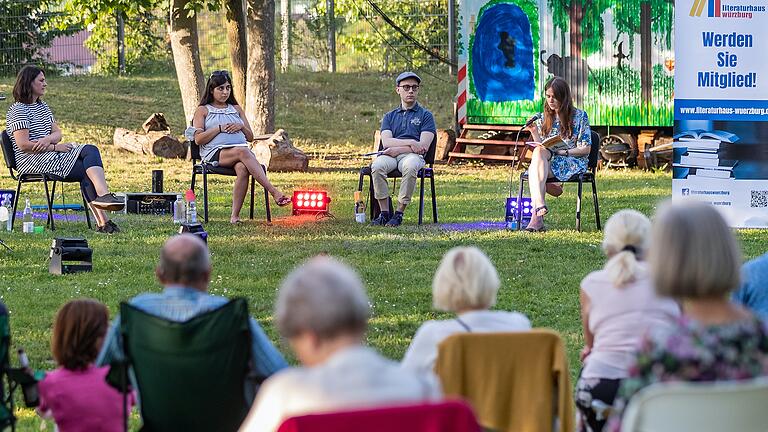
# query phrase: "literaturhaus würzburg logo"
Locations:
[[718, 9]]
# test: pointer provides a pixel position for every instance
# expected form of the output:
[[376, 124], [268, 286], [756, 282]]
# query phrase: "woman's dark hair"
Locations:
[[22, 90], [216, 79], [562, 93], [78, 333]]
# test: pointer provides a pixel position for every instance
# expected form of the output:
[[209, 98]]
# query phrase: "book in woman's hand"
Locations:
[[553, 143]]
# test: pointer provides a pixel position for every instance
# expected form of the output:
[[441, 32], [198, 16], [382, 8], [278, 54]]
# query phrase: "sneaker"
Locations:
[[395, 220], [108, 202], [108, 228], [381, 219]]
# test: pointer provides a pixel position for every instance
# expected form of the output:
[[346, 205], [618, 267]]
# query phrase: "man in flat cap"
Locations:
[[406, 134]]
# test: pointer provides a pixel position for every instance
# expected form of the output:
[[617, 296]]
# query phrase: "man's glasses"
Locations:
[[407, 87], [220, 73]]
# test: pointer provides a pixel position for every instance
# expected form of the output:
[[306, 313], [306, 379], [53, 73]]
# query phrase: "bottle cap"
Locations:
[[190, 195]]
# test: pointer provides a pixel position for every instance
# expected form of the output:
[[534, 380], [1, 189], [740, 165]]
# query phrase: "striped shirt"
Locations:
[[38, 119]]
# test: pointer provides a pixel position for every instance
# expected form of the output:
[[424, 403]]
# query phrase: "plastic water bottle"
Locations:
[[191, 207], [5, 213], [178, 210], [29, 390], [29, 224]]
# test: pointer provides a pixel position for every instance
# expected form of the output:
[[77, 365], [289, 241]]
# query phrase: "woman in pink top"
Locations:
[[76, 394], [618, 306]]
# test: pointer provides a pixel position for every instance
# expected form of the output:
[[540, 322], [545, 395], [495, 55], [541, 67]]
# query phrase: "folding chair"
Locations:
[[451, 416], [426, 172], [581, 178], [190, 375], [701, 407], [206, 168], [513, 381], [10, 162]]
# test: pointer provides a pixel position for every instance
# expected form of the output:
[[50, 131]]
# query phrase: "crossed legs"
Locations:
[[245, 164], [538, 173]]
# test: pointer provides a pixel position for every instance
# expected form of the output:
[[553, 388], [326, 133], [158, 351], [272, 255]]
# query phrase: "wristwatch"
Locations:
[[567, 153]]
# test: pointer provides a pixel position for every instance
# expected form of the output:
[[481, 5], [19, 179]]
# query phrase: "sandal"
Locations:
[[540, 229], [541, 211], [283, 201]]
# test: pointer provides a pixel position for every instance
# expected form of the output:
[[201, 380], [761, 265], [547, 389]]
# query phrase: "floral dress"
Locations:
[[564, 167], [693, 352]]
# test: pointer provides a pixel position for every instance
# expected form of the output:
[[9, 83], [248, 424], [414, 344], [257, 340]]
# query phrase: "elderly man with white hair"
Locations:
[[323, 312], [466, 283]]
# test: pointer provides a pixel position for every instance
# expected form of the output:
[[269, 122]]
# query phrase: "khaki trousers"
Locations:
[[408, 164]]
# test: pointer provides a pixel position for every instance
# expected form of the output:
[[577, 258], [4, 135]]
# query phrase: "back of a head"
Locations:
[[465, 280], [184, 260], [693, 252], [322, 296], [78, 331], [625, 241]]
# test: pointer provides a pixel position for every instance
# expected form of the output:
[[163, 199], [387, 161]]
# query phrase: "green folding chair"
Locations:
[[190, 375], [6, 384]]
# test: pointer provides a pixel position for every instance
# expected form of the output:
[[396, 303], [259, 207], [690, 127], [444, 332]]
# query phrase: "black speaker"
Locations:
[[70, 255]]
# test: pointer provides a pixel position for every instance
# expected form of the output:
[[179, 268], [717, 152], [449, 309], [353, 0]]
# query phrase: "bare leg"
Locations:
[[401, 207], [230, 156], [538, 172], [96, 175], [239, 191], [100, 216]]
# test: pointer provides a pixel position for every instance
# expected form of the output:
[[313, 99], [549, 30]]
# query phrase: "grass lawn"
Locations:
[[332, 119]]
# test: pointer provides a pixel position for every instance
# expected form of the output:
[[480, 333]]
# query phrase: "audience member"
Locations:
[[695, 259], [322, 311], [185, 272], [466, 283], [618, 306], [37, 147], [223, 133], [76, 394], [406, 134], [753, 293]]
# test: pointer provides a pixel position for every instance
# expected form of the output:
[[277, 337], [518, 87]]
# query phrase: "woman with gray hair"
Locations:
[[695, 259], [323, 312], [466, 284]]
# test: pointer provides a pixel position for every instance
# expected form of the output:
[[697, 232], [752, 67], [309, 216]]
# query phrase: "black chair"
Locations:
[[10, 162], [426, 172], [588, 176], [206, 168]]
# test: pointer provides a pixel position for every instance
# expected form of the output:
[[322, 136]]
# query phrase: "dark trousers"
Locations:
[[592, 392], [89, 157]]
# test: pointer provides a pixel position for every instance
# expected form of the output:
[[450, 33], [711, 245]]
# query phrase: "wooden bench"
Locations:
[[507, 133]]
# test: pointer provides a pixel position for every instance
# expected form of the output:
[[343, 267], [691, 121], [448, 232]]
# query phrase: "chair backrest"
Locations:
[[190, 375], [594, 151], [194, 151], [8, 154], [451, 416], [701, 407], [513, 381]]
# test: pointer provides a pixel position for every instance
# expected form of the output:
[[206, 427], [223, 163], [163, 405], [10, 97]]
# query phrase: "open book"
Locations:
[[700, 134], [553, 143]]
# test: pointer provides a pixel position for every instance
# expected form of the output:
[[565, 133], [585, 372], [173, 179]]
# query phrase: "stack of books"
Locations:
[[702, 157]]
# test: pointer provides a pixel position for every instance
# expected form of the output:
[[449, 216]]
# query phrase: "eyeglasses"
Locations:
[[407, 87], [220, 73]]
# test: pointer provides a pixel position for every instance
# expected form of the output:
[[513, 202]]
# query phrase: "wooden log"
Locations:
[[153, 143]]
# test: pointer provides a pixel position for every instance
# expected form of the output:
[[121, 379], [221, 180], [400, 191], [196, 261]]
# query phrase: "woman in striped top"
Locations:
[[37, 147], [223, 133]]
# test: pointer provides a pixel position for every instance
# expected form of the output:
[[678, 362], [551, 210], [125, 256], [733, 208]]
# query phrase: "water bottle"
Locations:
[[191, 207], [5, 213], [28, 389], [29, 224], [179, 215]]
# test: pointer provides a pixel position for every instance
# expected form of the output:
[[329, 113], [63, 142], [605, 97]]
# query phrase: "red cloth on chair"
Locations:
[[451, 416]]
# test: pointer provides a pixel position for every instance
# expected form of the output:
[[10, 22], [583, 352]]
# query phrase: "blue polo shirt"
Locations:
[[410, 123]]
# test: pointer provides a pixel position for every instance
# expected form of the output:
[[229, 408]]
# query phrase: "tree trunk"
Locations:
[[186, 57], [576, 15], [646, 65], [330, 16], [285, 29], [152, 144], [260, 88], [238, 43]]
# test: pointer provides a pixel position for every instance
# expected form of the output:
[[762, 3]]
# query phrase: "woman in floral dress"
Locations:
[[695, 259], [560, 118]]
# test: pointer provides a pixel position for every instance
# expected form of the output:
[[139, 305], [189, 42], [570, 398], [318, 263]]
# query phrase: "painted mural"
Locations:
[[617, 55]]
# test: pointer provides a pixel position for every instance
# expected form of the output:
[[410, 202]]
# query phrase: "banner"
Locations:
[[721, 107]]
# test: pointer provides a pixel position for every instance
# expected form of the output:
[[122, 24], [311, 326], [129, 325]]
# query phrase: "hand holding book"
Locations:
[[553, 144]]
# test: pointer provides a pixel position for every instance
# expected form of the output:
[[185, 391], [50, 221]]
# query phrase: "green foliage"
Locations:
[[591, 26], [423, 20], [26, 30], [626, 18], [615, 98]]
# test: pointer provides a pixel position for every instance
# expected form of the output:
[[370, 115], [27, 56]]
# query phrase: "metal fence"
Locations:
[[38, 31]]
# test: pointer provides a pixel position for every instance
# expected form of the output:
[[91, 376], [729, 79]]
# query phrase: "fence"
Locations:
[[39, 31]]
